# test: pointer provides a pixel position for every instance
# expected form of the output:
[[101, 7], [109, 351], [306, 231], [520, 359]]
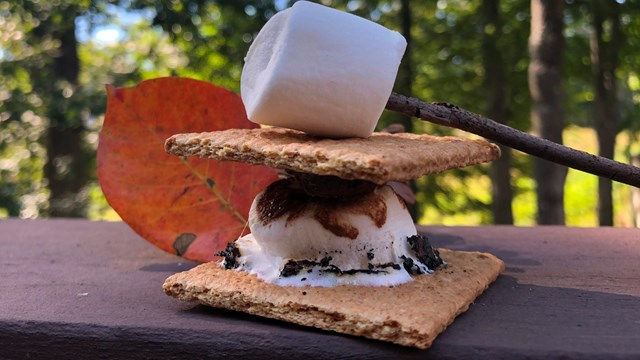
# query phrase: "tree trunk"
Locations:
[[495, 85], [604, 61], [546, 47], [404, 84], [67, 165], [66, 171]]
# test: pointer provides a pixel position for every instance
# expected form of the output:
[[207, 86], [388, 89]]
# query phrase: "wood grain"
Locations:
[[94, 289]]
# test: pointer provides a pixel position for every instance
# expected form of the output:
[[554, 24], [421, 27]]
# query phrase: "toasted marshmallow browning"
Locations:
[[321, 71], [298, 246]]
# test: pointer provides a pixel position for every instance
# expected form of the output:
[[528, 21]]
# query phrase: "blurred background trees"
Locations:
[[546, 50], [566, 70]]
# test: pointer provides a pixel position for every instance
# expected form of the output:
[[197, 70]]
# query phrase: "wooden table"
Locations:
[[80, 289]]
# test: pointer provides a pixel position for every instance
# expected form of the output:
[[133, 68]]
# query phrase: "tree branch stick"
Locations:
[[453, 116]]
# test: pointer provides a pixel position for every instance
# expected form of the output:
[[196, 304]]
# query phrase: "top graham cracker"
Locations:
[[380, 158]]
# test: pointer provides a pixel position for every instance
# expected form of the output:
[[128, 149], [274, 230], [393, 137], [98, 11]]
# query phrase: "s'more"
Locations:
[[331, 244]]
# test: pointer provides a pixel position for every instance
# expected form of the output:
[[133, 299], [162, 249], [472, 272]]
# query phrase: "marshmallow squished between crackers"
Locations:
[[368, 236], [322, 71]]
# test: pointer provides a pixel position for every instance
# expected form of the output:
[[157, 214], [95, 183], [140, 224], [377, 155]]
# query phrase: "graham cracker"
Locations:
[[379, 158], [411, 314]]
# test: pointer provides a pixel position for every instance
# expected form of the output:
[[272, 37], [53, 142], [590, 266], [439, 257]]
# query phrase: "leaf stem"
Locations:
[[215, 191]]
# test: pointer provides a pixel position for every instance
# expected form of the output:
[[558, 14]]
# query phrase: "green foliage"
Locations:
[[214, 36], [33, 98], [207, 39]]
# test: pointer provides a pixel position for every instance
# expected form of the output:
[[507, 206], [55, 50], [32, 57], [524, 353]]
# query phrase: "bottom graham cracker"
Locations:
[[411, 314]]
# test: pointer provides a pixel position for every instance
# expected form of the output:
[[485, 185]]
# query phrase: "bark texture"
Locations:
[[635, 196], [496, 91], [546, 48], [605, 44], [404, 84], [67, 163]]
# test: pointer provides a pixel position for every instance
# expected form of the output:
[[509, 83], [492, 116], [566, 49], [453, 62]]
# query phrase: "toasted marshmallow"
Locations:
[[321, 71], [324, 243]]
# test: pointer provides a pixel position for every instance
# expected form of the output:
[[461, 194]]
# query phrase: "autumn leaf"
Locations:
[[187, 206]]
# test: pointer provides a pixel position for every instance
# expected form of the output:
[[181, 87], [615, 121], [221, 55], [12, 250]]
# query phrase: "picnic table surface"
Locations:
[[83, 289]]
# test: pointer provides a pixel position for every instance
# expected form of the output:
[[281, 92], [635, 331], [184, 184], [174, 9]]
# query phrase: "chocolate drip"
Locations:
[[331, 187], [287, 197], [279, 199], [331, 214]]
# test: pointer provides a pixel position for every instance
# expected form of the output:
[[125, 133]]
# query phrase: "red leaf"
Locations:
[[191, 207]]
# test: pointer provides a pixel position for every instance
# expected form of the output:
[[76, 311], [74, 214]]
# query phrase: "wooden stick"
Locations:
[[452, 116]]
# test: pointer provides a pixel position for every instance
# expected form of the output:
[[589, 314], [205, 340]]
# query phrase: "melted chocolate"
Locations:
[[331, 187], [402, 201], [409, 265], [279, 199], [230, 254], [286, 197], [293, 267], [424, 252], [330, 214]]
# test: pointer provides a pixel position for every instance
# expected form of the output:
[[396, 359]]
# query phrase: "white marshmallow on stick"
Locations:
[[322, 71]]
